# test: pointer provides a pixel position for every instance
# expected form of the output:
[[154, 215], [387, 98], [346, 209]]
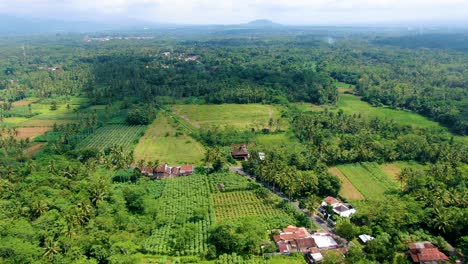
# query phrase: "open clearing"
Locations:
[[391, 169], [113, 135], [44, 123], [31, 132], [369, 179], [348, 190], [244, 116], [166, 142]]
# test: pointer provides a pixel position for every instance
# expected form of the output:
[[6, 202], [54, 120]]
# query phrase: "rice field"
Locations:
[[348, 190], [369, 179], [242, 116]]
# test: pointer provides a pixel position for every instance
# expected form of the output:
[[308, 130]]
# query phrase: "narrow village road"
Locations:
[[316, 219]]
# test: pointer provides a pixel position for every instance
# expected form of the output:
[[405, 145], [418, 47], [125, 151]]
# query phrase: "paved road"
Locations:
[[316, 219]]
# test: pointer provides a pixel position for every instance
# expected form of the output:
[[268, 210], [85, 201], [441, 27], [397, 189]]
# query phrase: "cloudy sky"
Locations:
[[311, 12]]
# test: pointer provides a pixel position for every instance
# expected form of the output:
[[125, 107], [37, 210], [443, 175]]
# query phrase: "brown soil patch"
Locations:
[[348, 190], [32, 150], [21, 103], [44, 123], [392, 170], [31, 132]]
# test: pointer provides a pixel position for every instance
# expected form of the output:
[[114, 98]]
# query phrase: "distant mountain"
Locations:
[[262, 23]]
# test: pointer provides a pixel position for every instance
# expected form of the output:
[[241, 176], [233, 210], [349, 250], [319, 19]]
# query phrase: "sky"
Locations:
[[293, 12]]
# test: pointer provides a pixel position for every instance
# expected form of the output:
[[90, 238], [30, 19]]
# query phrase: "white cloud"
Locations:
[[238, 11]]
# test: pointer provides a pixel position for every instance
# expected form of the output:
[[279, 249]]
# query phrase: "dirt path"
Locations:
[[32, 150], [270, 112], [194, 124]]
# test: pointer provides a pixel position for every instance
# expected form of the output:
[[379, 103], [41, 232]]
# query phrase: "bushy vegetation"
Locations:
[[78, 200]]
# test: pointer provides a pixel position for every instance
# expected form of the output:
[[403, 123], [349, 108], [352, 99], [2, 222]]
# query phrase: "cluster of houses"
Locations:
[[182, 56], [298, 239], [426, 253], [165, 171], [337, 207], [108, 38], [294, 239]]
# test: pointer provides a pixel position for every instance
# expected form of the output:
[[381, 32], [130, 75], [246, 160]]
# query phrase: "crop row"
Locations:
[[183, 202], [241, 204], [113, 135]]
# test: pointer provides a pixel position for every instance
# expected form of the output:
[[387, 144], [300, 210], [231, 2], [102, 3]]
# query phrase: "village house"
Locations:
[[339, 208], [365, 238], [166, 171], [298, 239], [240, 152], [426, 253]]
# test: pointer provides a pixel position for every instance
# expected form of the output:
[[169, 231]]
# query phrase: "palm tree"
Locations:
[[51, 248], [39, 207]]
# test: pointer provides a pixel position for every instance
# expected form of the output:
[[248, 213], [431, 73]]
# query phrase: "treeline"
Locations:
[[429, 82], [278, 169], [338, 138]]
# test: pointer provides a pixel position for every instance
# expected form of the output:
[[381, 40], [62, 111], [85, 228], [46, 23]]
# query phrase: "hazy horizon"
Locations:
[[210, 12]]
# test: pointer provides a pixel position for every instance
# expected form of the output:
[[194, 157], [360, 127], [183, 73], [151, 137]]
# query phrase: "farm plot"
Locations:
[[30, 132], [230, 182], [369, 179], [113, 135], [168, 143], [185, 205], [238, 205], [348, 190], [235, 115]]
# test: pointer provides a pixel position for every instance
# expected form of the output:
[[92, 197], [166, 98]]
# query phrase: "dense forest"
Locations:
[[71, 203]]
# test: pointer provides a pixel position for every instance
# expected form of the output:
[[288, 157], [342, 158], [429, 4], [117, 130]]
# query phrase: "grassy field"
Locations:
[[113, 135], [348, 190], [369, 179], [235, 115], [163, 141], [352, 104]]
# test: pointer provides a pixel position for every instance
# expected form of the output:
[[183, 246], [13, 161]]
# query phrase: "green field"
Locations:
[[166, 142], [276, 139], [113, 135], [352, 104], [244, 116], [369, 179]]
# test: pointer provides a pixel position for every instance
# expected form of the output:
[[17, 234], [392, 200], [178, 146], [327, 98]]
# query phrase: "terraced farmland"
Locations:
[[113, 135]]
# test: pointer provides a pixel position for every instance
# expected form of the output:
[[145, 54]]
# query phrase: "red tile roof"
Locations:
[[331, 200], [304, 243], [186, 168], [425, 251]]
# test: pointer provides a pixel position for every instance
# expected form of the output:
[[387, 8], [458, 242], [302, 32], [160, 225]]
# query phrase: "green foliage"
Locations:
[[346, 229], [140, 116], [243, 238]]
